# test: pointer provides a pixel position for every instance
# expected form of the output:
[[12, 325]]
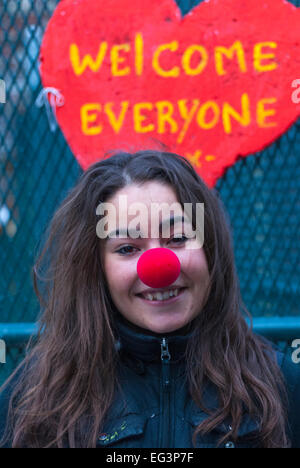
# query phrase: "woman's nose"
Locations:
[[158, 267]]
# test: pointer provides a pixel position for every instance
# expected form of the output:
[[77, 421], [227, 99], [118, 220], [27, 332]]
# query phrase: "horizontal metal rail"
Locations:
[[17, 333], [277, 328], [274, 328]]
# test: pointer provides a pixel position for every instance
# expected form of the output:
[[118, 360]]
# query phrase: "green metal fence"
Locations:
[[261, 194]]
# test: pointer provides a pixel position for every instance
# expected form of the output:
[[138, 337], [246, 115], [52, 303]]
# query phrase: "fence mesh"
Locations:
[[261, 193]]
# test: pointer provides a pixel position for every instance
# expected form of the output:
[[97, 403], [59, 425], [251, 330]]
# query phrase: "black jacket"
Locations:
[[154, 408]]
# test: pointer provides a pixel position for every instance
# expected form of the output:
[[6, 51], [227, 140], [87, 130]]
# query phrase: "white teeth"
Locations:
[[162, 296]]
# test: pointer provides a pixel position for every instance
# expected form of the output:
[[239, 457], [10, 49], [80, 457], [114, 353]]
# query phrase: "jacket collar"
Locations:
[[146, 345]]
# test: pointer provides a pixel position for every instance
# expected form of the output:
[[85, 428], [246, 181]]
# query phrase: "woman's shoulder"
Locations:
[[289, 367], [291, 372], [286, 361]]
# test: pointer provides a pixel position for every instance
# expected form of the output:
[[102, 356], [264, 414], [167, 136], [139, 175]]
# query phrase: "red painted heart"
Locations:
[[213, 85]]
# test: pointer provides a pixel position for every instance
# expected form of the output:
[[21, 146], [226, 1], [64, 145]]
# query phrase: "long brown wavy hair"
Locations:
[[67, 380]]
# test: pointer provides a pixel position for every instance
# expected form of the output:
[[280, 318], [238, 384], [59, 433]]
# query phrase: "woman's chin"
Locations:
[[163, 327]]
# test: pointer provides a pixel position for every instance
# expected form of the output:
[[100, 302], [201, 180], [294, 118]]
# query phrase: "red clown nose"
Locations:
[[158, 268]]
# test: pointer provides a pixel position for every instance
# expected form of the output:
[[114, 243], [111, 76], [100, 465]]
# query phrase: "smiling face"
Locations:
[[120, 256]]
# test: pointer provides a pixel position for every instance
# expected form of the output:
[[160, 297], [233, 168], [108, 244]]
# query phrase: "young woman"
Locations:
[[116, 364]]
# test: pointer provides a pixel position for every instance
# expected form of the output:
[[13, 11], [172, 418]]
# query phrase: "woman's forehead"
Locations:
[[147, 192], [151, 203], [149, 210]]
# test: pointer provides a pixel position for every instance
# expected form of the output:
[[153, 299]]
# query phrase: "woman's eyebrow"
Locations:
[[123, 232], [118, 233]]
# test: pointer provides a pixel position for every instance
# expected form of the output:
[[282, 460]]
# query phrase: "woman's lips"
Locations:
[[165, 301]]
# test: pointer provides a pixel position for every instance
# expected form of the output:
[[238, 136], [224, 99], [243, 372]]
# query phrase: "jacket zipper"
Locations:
[[165, 357]]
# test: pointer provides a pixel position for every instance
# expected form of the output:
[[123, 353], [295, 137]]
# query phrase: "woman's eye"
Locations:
[[179, 240], [123, 251], [128, 249]]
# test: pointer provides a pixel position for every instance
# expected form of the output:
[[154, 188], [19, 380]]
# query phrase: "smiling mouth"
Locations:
[[162, 298]]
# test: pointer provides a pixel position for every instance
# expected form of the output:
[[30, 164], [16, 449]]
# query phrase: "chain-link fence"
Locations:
[[261, 192]]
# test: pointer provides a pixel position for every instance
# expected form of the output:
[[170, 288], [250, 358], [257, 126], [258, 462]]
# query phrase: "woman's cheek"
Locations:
[[188, 260], [194, 264], [121, 271]]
